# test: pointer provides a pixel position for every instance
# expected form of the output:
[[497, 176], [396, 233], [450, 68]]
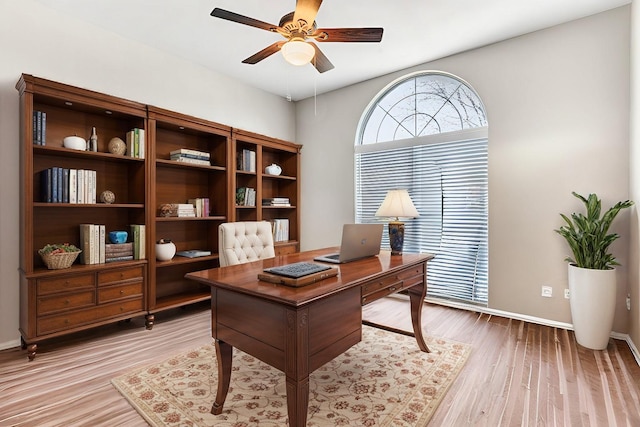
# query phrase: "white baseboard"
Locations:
[[517, 316], [10, 344]]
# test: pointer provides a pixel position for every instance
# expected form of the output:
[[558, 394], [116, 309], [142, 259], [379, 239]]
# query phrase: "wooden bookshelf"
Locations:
[[58, 302]]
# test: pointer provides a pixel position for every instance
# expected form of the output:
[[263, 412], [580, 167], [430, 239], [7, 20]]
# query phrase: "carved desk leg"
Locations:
[[224, 354], [416, 296], [31, 351]]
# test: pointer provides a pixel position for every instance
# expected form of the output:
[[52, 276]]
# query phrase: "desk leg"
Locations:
[[297, 401], [416, 296], [224, 354]]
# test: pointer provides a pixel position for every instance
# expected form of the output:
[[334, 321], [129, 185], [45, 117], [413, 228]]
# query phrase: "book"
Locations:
[[119, 258], [192, 161], [45, 185], [141, 143], [65, 185], [80, 186], [138, 236], [280, 228], [73, 186], [194, 253], [43, 128], [86, 234], [186, 152], [300, 281], [102, 243], [54, 184]]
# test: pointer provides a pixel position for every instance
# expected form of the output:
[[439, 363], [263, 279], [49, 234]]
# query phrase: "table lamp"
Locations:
[[397, 204]]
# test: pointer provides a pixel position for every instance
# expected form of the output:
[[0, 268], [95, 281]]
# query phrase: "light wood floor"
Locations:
[[519, 374]]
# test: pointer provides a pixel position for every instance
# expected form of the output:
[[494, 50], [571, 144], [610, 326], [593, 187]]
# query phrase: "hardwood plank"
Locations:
[[518, 373]]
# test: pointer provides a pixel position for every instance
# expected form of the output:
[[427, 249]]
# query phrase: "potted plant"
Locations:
[[592, 276]]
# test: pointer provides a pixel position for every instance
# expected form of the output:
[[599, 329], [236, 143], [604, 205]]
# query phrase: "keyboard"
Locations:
[[298, 269]]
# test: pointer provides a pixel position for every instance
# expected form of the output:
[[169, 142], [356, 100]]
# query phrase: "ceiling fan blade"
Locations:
[[349, 35], [320, 61], [241, 19], [264, 53], [306, 10]]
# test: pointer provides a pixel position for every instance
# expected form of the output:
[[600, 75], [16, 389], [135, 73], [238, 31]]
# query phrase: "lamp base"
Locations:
[[396, 237]]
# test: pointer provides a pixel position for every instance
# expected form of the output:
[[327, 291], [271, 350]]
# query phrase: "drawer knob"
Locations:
[[121, 292], [122, 275], [67, 301], [392, 289], [66, 321]]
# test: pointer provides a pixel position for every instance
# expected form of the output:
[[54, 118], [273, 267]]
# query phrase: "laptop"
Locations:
[[358, 241]]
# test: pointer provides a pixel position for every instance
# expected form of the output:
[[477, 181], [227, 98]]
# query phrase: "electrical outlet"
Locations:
[[628, 302], [547, 291], [567, 293]]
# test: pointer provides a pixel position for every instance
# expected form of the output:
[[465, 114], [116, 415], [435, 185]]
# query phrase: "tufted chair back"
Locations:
[[241, 242]]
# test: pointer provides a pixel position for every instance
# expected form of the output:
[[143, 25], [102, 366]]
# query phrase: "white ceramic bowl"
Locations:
[[75, 143], [165, 251]]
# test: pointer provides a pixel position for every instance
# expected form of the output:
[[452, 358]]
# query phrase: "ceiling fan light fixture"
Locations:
[[298, 52]]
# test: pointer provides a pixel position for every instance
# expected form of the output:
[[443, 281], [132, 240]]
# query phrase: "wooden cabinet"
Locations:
[[174, 182], [268, 151], [56, 302]]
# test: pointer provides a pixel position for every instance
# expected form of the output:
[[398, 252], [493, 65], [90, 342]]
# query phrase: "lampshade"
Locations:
[[298, 52], [397, 203]]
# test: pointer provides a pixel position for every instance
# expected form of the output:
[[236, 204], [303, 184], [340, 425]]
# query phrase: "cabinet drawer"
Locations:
[[117, 292], [285, 249], [63, 284], [58, 303], [64, 321], [117, 309], [110, 276]]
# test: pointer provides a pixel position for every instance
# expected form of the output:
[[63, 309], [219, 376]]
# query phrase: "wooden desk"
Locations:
[[297, 330]]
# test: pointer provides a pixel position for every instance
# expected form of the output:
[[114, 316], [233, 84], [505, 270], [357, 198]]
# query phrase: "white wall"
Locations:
[[38, 41], [558, 110]]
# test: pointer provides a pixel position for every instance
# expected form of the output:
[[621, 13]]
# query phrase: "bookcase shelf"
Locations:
[[141, 185]]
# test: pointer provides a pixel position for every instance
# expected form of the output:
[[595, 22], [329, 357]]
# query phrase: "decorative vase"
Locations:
[[93, 140], [273, 169], [75, 143], [592, 295], [165, 250]]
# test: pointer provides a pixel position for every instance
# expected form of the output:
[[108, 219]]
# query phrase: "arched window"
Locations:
[[427, 133]]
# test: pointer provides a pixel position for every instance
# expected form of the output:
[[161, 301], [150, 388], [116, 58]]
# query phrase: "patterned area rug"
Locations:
[[384, 380]]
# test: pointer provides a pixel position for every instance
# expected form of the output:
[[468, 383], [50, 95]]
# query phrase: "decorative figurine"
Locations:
[[117, 146], [107, 197]]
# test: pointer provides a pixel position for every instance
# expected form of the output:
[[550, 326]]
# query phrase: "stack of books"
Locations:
[[246, 160], [276, 201], [202, 206], [138, 237], [62, 185], [280, 228], [191, 156], [40, 128], [178, 210], [136, 143], [245, 196], [118, 252], [92, 243]]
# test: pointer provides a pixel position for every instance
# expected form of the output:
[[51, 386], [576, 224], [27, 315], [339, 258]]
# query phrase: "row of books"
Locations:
[[39, 128], [62, 185], [96, 250], [280, 229], [187, 155], [276, 201], [135, 141], [246, 160], [245, 196]]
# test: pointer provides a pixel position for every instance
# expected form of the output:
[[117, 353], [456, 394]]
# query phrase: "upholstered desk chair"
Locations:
[[240, 242]]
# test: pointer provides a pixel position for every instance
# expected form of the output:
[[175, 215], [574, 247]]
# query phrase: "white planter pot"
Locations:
[[165, 251], [593, 305]]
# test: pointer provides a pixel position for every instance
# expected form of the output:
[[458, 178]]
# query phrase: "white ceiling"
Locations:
[[415, 31]]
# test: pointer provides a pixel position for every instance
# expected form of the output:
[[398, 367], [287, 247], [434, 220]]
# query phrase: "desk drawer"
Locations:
[[403, 279], [64, 284], [68, 301]]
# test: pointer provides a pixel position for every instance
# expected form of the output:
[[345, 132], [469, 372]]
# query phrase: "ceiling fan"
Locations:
[[300, 30]]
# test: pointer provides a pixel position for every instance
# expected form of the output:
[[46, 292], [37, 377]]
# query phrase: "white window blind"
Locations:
[[443, 165]]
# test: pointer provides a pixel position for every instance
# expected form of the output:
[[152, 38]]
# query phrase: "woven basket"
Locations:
[[59, 260]]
